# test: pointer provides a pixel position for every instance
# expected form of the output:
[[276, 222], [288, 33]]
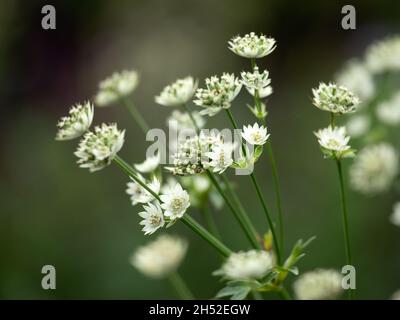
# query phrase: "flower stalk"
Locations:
[[180, 286]]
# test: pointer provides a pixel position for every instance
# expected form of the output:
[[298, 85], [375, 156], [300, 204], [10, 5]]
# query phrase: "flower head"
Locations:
[[149, 165], [334, 141], [97, 149], [255, 135], [175, 202], [253, 264], [357, 78], [160, 257], [374, 169], [141, 195], [181, 120], [389, 112], [333, 98], [395, 217], [153, 218], [319, 284], [218, 94], [384, 55], [76, 123], [177, 93], [118, 85], [252, 45], [220, 156], [256, 81]]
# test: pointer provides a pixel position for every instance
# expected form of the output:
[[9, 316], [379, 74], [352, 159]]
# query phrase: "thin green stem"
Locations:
[[345, 219], [208, 218], [284, 294], [141, 122], [186, 219], [332, 120], [191, 117], [251, 237], [180, 286], [240, 207], [260, 196]]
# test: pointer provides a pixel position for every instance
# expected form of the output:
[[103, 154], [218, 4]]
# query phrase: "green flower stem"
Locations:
[[186, 219], [191, 117], [240, 207], [251, 237], [180, 286], [260, 196], [332, 120], [284, 294], [208, 218], [135, 114], [345, 219]]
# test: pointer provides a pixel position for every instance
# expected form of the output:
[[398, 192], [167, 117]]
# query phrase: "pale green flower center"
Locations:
[[177, 204]]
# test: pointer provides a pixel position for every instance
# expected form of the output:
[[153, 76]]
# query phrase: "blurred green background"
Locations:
[[54, 213]]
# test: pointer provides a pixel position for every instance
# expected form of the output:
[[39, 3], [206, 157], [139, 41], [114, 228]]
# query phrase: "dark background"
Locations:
[[54, 213]]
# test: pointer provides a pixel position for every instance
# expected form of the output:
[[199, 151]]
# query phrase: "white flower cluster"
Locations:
[[218, 94], [181, 120], [160, 257], [395, 217], [319, 284], [149, 165], [255, 135], [257, 82], [118, 85], [253, 264], [357, 78], [374, 169], [252, 45], [178, 93], [389, 111], [333, 98], [97, 149], [139, 194], [384, 55], [334, 142], [78, 121]]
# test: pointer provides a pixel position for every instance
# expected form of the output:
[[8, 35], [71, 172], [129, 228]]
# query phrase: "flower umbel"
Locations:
[[149, 165], [175, 202], [255, 135], [253, 264], [334, 142], [139, 194], [218, 94], [333, 98], [220, 156], [319, 284], [177, 93], [153, 218], [76, 123], [118, 85], [395, 217], [252, 45], [160, 257], [384, 55], [97, 149], [256, 81]]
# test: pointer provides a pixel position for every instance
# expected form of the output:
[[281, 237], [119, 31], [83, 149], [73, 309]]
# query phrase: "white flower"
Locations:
[[153, 218], [253, 264], [334, 141], [384, 55], [333, 98], [396, 295], [252, 45], [255, 135], [97, 149], [374, 169], [257, 81], [356, 77], [395, 217], [175, 202], [358, 125], [389, 112], [139, 194], [76, 123], [220, 156], [178, 93], [319, 284], [149, 165], [218, 94], [160, 257], [181, 120], [118, 85]]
